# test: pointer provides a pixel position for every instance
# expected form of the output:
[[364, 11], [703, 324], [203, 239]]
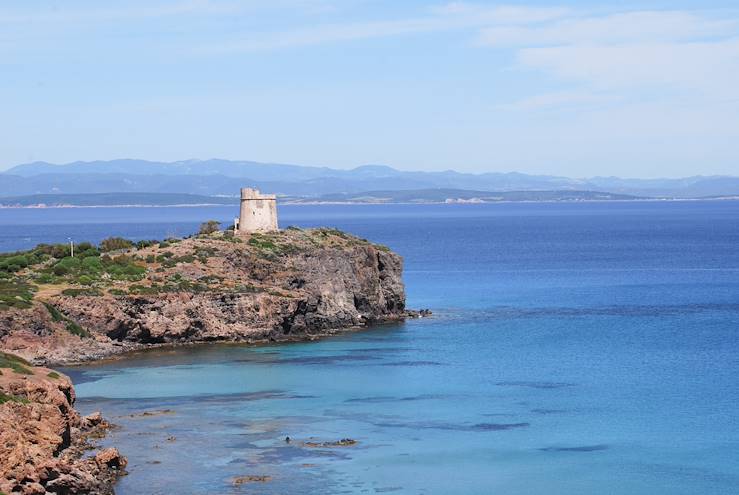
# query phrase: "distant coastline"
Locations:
[[368, 203]]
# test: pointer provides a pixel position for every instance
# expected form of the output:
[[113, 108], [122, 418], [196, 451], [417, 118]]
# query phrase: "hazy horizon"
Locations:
[[573, 89], [4, 169]]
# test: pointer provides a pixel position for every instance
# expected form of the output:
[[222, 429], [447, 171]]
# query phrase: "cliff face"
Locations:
[[43, 437], [293, 284]]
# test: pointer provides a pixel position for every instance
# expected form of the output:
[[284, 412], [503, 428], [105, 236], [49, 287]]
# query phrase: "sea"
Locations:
[[574, 348]]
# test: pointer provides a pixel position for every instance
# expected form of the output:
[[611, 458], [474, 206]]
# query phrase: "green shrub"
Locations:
[[70, 263], [45, 278], [84, 280], [57, 251], [60, 271], [209, 227], [53, 374], [85, 249], [92, 264], [14, 263], [144, 244], [115, 244]]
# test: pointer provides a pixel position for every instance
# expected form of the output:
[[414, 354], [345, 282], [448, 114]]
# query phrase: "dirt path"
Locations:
[[47, 291]]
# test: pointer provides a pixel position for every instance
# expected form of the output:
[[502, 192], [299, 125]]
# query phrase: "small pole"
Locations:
[[71, 246]]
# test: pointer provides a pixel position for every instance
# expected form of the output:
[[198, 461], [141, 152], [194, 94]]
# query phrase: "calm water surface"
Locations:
[[575, 349]]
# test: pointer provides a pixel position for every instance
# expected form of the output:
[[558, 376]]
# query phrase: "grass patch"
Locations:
[[71, 326], [54, 375], [144, 289], [268, 246], [81, 292], [15, 294], [75, 329], [262, 242], [15, 363], [13, 398], [55, 313]]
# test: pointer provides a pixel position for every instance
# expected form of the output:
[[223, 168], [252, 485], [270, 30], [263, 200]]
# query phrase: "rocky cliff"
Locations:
[[44, 440], [293, 284]]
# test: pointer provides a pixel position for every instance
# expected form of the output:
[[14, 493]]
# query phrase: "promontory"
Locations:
[[61, 307]]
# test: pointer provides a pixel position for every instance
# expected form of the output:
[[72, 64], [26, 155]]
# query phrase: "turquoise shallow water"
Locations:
[[575, 349]]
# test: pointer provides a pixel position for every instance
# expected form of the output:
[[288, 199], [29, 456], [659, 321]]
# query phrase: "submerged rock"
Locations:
[[242, 480], [344, 442]]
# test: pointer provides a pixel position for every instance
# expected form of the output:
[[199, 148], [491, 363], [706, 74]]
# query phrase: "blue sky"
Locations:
[[641, 89]]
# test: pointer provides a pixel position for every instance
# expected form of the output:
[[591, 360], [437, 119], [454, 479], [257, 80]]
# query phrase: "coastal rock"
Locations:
[[110, 458], [94, 419], [43, 437]]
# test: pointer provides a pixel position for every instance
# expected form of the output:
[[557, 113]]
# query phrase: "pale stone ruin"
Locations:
[[258, 212]]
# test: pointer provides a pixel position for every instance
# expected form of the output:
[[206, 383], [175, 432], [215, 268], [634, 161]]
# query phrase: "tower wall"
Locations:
[[258, 212]]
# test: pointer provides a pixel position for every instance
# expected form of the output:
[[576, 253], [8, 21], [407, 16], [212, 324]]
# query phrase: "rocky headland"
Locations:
[[59, 307], [45, 444], [216, 287]]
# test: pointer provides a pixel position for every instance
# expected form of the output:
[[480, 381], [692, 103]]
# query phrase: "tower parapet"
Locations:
[[258, 212]]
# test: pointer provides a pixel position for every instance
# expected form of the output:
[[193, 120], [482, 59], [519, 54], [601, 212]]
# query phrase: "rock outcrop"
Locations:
[[43, 439], [289, 285]]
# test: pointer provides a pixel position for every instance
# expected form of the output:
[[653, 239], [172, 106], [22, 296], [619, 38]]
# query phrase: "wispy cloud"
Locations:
[[709, 67], [559, 99], [685, 54], [449, 17], [113, 11], [63, 14], [624, 27]]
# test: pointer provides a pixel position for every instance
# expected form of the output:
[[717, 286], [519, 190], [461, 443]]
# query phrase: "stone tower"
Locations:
[[258, 212]]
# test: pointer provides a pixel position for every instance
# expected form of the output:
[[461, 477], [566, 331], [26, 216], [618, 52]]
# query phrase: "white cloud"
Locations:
[[711, 68], [559, 99], [453, 16], [626, 27], [501, 14], [688, 55]]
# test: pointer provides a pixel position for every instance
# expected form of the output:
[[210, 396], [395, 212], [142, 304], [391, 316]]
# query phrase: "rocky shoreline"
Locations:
[[46, 446], [284, 286], [103, 302]]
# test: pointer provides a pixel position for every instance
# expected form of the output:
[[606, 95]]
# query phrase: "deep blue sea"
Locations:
[[574, 349]]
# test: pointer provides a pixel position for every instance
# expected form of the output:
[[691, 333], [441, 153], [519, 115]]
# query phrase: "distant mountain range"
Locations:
[[224, 177]]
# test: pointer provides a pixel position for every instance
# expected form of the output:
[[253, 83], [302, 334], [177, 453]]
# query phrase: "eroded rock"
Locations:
[[44, 438], [289, 285]]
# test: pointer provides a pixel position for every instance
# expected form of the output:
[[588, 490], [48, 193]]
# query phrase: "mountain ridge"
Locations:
[[214, 177]]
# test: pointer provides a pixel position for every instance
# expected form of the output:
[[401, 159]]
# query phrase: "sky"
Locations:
[[581, 88]]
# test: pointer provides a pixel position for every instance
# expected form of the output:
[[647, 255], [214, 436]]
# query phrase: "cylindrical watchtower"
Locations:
[[258, 211]]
